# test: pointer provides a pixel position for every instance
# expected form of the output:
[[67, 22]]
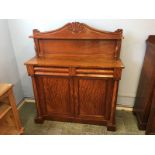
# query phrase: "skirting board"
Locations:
[[31, 100]]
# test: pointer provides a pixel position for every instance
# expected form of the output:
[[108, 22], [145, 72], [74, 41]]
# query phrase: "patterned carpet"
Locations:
[[125, 121]]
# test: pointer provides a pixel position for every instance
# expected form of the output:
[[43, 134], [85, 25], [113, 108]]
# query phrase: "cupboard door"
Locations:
[[94, 98], [57, 95]]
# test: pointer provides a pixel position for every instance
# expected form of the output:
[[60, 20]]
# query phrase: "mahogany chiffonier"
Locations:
[[75, 74], [10, 123], [144, 109]]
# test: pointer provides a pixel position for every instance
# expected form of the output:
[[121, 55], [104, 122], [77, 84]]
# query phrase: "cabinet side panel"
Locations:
[[145, 87], [109, 89], [41, 95]]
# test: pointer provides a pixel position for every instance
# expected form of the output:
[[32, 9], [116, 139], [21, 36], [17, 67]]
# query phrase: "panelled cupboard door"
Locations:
[[57, 95], [94, 98], [75, 74]]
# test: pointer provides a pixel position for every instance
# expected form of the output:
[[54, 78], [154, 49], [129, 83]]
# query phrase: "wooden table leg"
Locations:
[[15, 111]]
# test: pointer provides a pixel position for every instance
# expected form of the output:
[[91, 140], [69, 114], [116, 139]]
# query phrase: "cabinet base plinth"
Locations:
[[110, 126]]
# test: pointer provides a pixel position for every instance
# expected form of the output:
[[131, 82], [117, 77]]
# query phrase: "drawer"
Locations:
[[105, 73], [79, 72], [58, 71]]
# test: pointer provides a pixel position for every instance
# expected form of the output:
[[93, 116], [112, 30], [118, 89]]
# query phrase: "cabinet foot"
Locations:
[[39, 120], [141, 124], [21, 131], [111, 127], [134, 113]]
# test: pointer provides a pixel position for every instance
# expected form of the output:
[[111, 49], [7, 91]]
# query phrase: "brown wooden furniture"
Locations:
[[150, 128], [75, 74], [145, 91], [9, 117]]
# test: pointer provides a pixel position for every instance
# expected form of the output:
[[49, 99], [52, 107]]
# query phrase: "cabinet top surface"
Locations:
[[72, 61]]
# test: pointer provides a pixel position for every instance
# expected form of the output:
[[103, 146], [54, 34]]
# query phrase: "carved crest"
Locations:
[[76, 27], [76, 30]]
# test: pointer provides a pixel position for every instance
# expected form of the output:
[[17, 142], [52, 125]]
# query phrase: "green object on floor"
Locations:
[[125, 121]]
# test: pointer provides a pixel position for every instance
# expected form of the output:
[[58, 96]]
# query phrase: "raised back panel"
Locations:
[[105, 48], [78, 39]]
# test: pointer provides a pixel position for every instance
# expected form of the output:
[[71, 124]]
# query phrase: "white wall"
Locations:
[[132, 52], [8, 67]]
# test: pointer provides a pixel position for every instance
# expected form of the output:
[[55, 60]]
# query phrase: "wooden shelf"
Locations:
[[4, 109], [7, 125]]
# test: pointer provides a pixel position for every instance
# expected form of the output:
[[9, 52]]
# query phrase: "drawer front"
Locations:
[[57, 71], [103, 73], [77, 72]]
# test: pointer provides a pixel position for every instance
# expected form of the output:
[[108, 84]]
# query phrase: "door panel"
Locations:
[[93, 101], [57, 95]]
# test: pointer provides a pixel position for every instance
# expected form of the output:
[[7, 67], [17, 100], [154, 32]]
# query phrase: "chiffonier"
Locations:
[[144, 107], [75, 74]]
